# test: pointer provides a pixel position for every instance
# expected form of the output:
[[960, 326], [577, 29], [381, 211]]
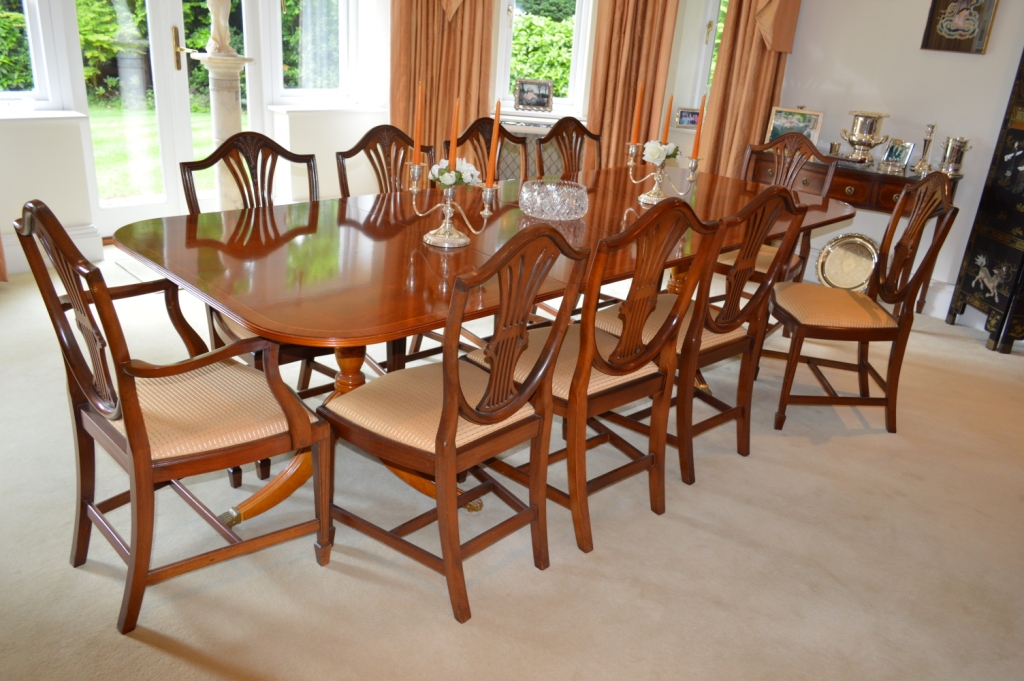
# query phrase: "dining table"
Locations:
[[351, 272]]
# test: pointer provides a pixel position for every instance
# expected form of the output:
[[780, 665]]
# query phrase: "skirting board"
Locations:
[[86, 237]]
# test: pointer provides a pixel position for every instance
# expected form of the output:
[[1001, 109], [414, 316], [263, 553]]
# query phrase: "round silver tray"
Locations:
[[847, 262]]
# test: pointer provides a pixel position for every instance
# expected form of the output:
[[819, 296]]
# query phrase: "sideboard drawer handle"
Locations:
[[849, 191], [896, 198], [806, 182], [771, 172]]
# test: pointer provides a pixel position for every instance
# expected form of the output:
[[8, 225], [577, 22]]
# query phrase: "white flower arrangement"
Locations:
[[657, 153], [465, 173]]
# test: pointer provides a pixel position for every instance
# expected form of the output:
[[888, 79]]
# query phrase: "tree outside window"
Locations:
[[15, 58], [542, 36]]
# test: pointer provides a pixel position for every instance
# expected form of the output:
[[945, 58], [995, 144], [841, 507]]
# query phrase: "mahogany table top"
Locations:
[[353, 272]]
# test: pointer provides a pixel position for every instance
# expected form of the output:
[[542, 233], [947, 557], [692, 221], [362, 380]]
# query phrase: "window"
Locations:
[[545, 40], [719, 27], [26, 60], [330, 51]]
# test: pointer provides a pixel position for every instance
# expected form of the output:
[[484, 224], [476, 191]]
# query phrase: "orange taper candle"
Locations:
[[417, 128], [455, 138], [493, 156], [635, 137], [668, 117], [700, 126]]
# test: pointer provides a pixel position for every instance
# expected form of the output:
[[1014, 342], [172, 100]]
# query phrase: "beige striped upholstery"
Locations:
[[220, 405], [765, 256], [565, 367], [815, 305], [405, 406], [608, 320]]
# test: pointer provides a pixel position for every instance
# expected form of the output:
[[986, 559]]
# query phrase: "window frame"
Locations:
[[572, 105], [47, 93]]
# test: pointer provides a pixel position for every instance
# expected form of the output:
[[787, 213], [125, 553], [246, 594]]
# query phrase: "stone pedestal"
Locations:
[[226, 111]]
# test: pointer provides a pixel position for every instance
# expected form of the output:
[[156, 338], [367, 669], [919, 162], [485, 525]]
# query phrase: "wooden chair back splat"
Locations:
[[387, 149], [810, 311], [479, 414], [110, 395], [478, 136], [251, 158], [570, 138]]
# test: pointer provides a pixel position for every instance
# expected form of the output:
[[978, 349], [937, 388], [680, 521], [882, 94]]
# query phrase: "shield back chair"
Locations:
[[387, 148], [711, 334], [443, 420], [478, 138], [812, 311], [251, 159], [598, 371], [569, 138], [162, 423], [790, 155]]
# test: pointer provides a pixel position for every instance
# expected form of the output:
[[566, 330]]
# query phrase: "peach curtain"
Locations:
[[633, 43], [447, 45], [3, 264], [758, 35]]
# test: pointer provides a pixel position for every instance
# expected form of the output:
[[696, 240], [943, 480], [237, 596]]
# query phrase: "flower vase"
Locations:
[[446, 236]]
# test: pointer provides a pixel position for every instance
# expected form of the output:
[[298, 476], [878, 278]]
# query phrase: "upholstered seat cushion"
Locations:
[[765, 256], [565, 366], [814, 305], [609, 320], [405, 406], [224, 404]]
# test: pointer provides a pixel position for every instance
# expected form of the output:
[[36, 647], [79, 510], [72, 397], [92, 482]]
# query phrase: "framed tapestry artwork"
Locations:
[[808, 123], [533, 95], [959, 25]]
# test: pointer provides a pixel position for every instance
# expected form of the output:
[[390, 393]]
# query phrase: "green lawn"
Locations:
[[127, 152]]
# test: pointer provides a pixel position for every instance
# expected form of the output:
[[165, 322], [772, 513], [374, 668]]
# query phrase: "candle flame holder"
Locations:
[[656, 193], [415, 173], [487, 196]]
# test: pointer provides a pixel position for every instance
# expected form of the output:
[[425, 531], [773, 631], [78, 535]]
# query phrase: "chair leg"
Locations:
[[448, 525], [862, 369], [305, 373], [684, 417], [576, 462], [892, 382], [85, 449], [538, 496], [656, 445], [263, 469], [787, 382], [744, 398], [139, 553], [235, 476], [417, 341], [323, 497]]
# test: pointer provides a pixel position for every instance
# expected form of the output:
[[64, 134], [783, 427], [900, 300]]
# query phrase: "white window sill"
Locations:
[[321, 108], [39, 115]]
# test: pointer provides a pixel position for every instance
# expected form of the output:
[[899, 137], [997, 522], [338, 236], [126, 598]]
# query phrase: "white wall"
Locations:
[[42, 157], [875, 63]]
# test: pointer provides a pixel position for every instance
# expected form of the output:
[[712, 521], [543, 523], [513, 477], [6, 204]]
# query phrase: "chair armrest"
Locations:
[[127, 291], [138, 368]]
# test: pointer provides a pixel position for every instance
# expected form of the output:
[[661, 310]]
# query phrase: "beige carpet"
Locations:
[[835, 551]]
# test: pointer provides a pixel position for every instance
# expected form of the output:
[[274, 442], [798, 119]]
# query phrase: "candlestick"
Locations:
[[660, 176], [668, 117], [700, 126], [455, 138], [635, 137], [417, 128], [495, 140]]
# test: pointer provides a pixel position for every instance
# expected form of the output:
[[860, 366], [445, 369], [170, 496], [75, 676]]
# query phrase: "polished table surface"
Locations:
[[353, 272]]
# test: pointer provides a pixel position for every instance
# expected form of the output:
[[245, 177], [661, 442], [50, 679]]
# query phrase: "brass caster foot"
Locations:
[[475, 506], [231, 517]]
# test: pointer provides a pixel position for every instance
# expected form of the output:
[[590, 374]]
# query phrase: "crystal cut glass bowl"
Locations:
[[553, 200]]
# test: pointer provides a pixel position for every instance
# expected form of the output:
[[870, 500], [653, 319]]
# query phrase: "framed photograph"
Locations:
[[533, 95], [807, 123], [896, 157], [687, 118], [959, 25]]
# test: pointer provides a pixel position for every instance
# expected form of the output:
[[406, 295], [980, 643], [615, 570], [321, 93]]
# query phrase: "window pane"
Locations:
[[122, 113], [718, 39], [15, 58], [309, 44], [542, 35]]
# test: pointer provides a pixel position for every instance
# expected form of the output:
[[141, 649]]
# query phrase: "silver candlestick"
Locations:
[[488, 200], [656, 193], [923, 167], [445, 236], [415, 173]]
